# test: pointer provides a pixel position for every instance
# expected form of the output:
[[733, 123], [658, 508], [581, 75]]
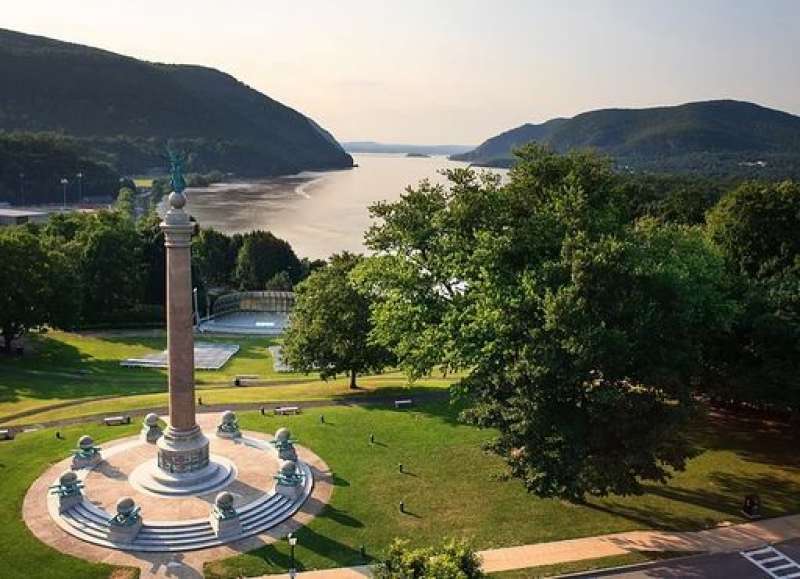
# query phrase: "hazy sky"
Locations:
[[452, 71]]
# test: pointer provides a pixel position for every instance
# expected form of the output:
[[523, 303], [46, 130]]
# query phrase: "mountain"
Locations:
[[127, 109], [392, 148], [712, 137]]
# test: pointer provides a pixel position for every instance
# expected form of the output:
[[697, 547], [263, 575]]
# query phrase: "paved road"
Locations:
[[722, 566]]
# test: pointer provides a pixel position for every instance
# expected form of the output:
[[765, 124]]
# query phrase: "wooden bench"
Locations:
[[116, 420], [243, 379], [403, 403], [287, 410], [6, 434]]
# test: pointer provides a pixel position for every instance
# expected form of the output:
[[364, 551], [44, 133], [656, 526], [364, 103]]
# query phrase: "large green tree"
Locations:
[[261, 257], [39, 285], [109, 250], [578, 331], [757, 226], [330, 325], [215, 256]]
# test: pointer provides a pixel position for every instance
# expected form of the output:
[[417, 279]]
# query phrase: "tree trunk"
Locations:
[[353, 385]]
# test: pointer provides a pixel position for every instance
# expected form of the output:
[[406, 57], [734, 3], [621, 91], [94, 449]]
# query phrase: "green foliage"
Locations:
[[225, 124], [26, 287], [757, 226], [712, 138], [330, 325], [32, 166], [261, 257], [566, 316], [215, 253], [452, 560], [125, 204], [279, 282]]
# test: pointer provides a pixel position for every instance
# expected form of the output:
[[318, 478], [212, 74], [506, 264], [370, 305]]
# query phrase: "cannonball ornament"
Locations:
[[125, 505], [151, 419], [282, 434], [228, 417], [224, 500], [288, 467], [69, 478], [177, 200], [86, 441]]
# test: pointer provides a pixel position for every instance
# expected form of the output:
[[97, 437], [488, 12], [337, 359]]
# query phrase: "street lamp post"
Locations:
[[21, 188], [80, 186], [64, 184], [292, 543]]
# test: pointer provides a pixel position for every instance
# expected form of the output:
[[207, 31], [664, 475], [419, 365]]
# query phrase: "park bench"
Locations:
[[116, 420], [287, 410], [403, 403], [244, 379], [6, 434]]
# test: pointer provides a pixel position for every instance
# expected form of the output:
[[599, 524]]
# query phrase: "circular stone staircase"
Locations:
[[88, 522]]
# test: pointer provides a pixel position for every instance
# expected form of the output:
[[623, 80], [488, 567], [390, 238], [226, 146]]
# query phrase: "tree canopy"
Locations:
[[563, 313], [330, 325]]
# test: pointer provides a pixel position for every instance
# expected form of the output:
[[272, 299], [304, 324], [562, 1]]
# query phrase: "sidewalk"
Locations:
[[717, 540]]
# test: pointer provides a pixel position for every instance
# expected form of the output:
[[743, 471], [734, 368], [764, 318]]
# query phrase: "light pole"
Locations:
[[80, 186], [292, 543], [21, 188], [64, 184]]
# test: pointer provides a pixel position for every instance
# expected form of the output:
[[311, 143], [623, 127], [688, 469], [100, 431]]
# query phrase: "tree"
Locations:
[[39, 285], [579, 332], [452, 560], [110, 264], [279, 282], [125, 204], [215, 256], [154, 259], [261, 257], [330, 325], [25, 283], [757, 225]]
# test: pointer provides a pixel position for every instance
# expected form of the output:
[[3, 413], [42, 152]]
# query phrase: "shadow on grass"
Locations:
[[779, 496], [54, 369], [275, 556]]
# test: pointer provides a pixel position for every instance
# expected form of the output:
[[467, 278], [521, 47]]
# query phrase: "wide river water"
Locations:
[[317, 213]]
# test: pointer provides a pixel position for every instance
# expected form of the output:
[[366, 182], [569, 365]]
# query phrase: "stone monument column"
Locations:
[[183, 448]]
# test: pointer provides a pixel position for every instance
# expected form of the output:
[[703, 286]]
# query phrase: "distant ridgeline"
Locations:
[[122, 111], [713, 138]]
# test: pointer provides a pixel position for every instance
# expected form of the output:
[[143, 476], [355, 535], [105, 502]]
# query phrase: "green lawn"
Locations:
[[451, 488], [61, 367], [21, 462]]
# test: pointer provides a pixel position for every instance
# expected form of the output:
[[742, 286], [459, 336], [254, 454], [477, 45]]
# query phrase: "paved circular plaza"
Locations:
[[254, 467]]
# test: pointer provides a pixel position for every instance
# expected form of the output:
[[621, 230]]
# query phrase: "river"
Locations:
[[317, 213]]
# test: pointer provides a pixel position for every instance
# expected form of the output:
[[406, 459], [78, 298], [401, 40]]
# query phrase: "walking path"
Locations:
[[355, 400], [717, 540]]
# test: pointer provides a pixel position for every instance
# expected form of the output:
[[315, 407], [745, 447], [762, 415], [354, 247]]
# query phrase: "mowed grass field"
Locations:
[[61, 367], [450, 488]]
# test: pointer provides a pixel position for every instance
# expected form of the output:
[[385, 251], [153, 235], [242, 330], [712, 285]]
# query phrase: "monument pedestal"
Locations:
[[66, 502], [124, 534], [291, 492], [225, 527], [182, 451]]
